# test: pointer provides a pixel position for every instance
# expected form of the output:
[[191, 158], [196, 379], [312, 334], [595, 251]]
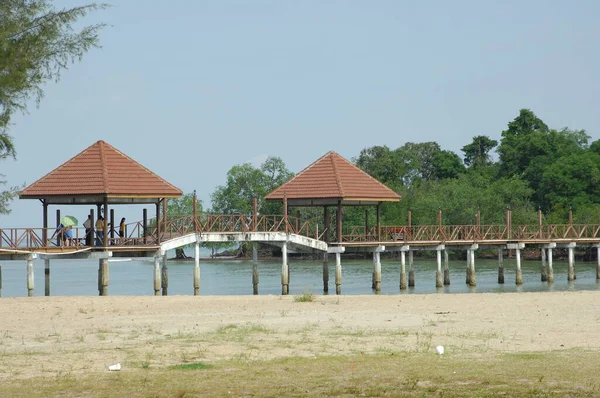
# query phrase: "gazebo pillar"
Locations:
[[158, 222], [366, 224], [326, 234], [285, 213], [379, 222], [45, 222], [338, 222], [105, 221]]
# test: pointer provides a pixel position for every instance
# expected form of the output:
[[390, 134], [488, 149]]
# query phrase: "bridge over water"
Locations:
[[292, 234]]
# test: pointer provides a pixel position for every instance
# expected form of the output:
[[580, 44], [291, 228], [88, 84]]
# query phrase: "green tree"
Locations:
[[245, 182], [37, 42], [447, 164], [477, 153]]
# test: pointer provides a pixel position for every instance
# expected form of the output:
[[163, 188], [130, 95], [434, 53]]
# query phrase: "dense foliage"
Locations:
[[536, 167], [37, 42]]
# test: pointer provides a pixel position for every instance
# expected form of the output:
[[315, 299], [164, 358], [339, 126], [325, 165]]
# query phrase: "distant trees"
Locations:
[[537, 167], [245, 182]]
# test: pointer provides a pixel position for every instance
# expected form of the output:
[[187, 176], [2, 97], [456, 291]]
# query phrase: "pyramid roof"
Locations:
[[98, 172], [331, 180]]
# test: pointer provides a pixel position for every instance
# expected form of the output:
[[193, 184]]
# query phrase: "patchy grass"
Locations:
[[307, 297], [191, 366], [413, 374]]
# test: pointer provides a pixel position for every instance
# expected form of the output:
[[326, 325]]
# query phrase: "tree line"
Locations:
[[532, 167]]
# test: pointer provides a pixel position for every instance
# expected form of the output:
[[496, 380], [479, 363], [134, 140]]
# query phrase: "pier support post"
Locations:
[[438, 273], [411, 270], [255, 269], [30, 276], [446, 269], [550, 269], [325, 272], [571, 276], [501, 266], [103, 275], [402, 269], [165, 276], [47, 277], [543, 269], [196, 269], [597, 262], [468, 274], [285, 282], [157, 282], [377, 257], [338, 273], [471, 274], [377, 271], [374, 272], [519, 275]]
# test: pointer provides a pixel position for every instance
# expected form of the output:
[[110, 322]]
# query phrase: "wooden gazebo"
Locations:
[[101, 175], [333, 181]]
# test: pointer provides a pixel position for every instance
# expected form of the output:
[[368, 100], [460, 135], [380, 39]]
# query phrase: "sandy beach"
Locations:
[[46, 336]]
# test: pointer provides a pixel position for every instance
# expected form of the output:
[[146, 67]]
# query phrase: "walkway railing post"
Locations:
[[409, 231], [439, 219], [285, 213], [540, 227], [195, 211], [254, 214]]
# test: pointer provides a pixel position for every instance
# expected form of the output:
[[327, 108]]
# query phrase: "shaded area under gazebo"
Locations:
[[332, 181], [102, 176]]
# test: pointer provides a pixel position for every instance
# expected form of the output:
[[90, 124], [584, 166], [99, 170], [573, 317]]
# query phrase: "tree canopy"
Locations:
[[37, 42]]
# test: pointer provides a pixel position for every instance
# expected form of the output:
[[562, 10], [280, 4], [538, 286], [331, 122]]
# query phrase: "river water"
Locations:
[[135, 277]]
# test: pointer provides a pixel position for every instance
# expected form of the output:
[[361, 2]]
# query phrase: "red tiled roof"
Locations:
[[101, 170], [332, 176]]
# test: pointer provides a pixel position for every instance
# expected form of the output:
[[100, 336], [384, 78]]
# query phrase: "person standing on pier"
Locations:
[[100, 231], [89, 233], [122, 230]]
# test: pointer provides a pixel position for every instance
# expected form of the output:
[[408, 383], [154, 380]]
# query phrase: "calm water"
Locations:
[[135, 277]]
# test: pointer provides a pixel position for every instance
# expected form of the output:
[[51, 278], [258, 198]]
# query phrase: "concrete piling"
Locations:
[[338, 273], [472, 275], [446, 269], [103, 276], [255, 269], [157, 281], [47, 277], [377, 255], [571, 276], [30, 276], [501, 266], [196, 269], [543, 267], [402, 270], [325, 272], [438, 273], [550, 269], [597, 263], [519, 274], [165, 276], [411, 270], [285, 283]]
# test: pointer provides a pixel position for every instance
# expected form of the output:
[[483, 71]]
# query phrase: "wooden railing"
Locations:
[[27, 239], [482, 233]]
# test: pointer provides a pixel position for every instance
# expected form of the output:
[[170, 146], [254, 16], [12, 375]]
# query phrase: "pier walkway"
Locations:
[[292, 234]]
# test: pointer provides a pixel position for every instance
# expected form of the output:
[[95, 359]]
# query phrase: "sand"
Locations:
[[46, 336]]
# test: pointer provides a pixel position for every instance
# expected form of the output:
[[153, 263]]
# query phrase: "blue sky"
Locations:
[[191, 88]]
